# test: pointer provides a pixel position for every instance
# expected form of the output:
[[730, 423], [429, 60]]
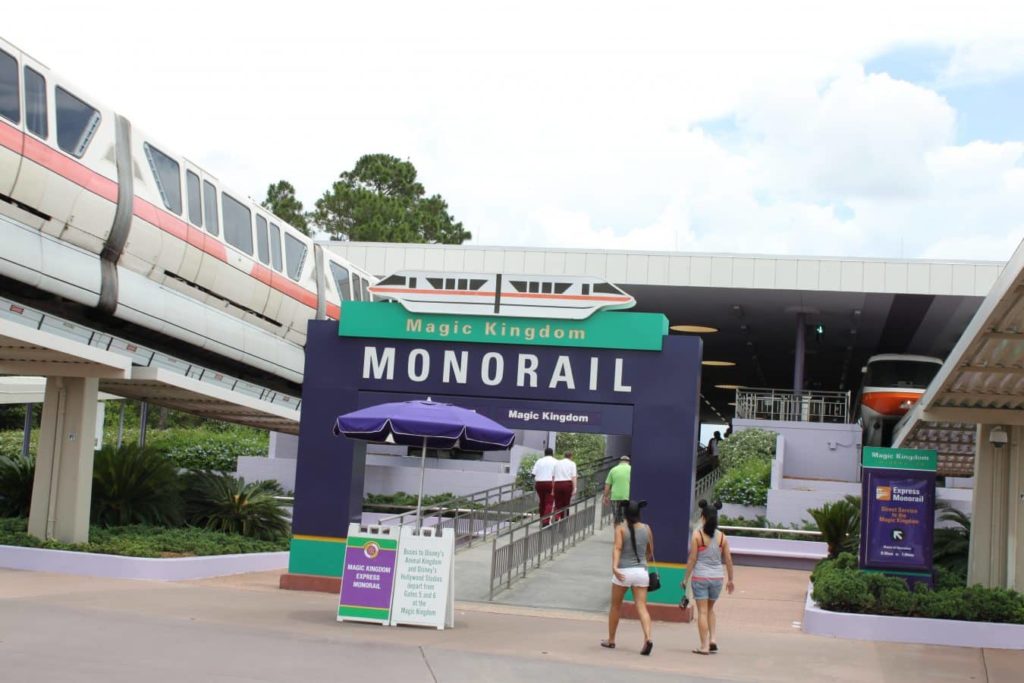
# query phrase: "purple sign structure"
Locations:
[[650, 395], [898, 510]]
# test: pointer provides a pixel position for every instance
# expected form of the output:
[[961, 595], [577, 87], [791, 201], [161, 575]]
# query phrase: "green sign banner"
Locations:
[[900, 459], [602, 330]]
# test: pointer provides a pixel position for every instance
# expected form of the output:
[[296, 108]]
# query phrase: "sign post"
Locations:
[[898, 511], [368, 574]]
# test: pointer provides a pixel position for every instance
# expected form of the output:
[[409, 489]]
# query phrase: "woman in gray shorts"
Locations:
[[634, 546], [706, 569]]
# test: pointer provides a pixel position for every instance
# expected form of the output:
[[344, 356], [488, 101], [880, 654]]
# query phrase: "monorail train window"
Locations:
[[605, 288], [393, 280], [195, 201], [10, 103], [76, 124], [545, 287], [167, 173], [412, 283], [477, 284], [275, 246], [35, 103], [463, 284], [436, 282], [262, 240], [210, 197], [586, 289], [237, 223], [518, 285], [294, 255], [534, 287], [449, 283], [341, 281], [363, 294], [357, 294], [561, 287]]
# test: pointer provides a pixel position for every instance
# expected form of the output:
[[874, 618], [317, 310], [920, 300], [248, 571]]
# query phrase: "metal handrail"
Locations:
[[528, 544], [478, 515], [771, 530], [793, 406]]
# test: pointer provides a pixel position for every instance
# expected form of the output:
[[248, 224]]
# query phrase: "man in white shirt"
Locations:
[[544, 484], [565, 483]]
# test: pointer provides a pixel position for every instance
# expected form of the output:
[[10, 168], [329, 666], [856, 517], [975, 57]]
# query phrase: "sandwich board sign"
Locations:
[[425, 578], [368, 574]]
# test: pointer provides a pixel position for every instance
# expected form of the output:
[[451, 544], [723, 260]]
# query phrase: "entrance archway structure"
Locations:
[[612, 373]]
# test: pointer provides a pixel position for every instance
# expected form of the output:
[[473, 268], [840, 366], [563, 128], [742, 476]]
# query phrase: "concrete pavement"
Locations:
[[64, 628]]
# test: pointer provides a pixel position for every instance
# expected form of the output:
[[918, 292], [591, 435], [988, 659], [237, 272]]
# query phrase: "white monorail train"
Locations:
[[893, 383], [527, 296], [98, 213]]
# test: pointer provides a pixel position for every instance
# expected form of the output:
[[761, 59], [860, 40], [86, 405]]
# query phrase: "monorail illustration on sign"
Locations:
[[526, 296]]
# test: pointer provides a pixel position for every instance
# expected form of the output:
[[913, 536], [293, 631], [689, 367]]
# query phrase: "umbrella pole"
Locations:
[[419, 500]]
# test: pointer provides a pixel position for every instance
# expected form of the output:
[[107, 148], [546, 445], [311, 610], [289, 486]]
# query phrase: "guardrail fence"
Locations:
[[790, 406]]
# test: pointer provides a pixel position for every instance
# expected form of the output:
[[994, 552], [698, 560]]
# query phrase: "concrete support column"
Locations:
[[62, 488], [618, 445], [997, 519], [799, 352]]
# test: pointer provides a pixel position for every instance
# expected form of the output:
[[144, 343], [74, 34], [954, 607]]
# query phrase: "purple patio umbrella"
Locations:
[[426, 424]]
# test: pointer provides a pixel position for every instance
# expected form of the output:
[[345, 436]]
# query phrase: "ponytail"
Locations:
[[710, 514]]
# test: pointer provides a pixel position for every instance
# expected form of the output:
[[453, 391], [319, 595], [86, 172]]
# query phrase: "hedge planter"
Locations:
[[910, 629], [124, 567]]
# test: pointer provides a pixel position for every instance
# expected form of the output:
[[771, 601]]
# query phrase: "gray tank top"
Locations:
[[627, 559], [709, 558]]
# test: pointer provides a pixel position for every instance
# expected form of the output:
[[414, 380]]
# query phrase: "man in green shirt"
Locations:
[[616, 488]]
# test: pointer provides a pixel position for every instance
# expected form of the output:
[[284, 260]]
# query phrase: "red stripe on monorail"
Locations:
[[376, 289], [104, 187]]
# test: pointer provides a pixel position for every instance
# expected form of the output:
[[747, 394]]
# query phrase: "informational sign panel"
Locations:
[[368, 574], [425, 588], [897, 509]]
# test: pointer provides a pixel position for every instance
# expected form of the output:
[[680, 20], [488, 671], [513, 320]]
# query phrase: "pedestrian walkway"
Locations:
[[63, 628]]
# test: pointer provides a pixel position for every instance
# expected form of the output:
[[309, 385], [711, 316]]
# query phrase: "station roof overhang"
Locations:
[[981, 381], [864, 306], [28, 351], [16, 390], [25, 351]]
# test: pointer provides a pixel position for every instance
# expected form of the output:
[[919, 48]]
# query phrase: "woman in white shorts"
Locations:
[[634, 546]]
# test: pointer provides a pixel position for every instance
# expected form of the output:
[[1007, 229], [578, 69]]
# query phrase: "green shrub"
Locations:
[[745, 484], [841, 587], [743, 447], [11, 440], [221, 502], [144, 541], [951, 544], [524, 475], [403, 499], [133, 485], [839, 524], [16, 475]]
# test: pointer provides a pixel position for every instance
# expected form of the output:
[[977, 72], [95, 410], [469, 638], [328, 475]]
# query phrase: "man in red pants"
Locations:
[[544, 484], [565, 484]]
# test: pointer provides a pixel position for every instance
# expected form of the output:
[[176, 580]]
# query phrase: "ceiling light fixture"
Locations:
[[728, 386], [694, 329], [718, 363]]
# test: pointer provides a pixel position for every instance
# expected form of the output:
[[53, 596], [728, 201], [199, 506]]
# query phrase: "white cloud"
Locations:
[[572, 124]]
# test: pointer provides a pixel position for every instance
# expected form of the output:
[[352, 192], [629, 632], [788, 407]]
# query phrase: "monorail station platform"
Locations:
[[181, 631], [81, 366]]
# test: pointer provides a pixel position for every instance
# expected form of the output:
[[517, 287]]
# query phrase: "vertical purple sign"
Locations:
[[898, 510], [367, 578]]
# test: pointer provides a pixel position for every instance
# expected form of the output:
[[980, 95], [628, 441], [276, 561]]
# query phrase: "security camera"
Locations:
[[997, 437]]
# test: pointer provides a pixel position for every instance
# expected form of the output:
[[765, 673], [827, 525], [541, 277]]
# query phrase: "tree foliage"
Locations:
[[380, 200], [133, 485], [281, 200]]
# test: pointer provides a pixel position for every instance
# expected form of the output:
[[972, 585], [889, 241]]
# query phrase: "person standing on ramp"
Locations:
[[616, 488], [544, 484]]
